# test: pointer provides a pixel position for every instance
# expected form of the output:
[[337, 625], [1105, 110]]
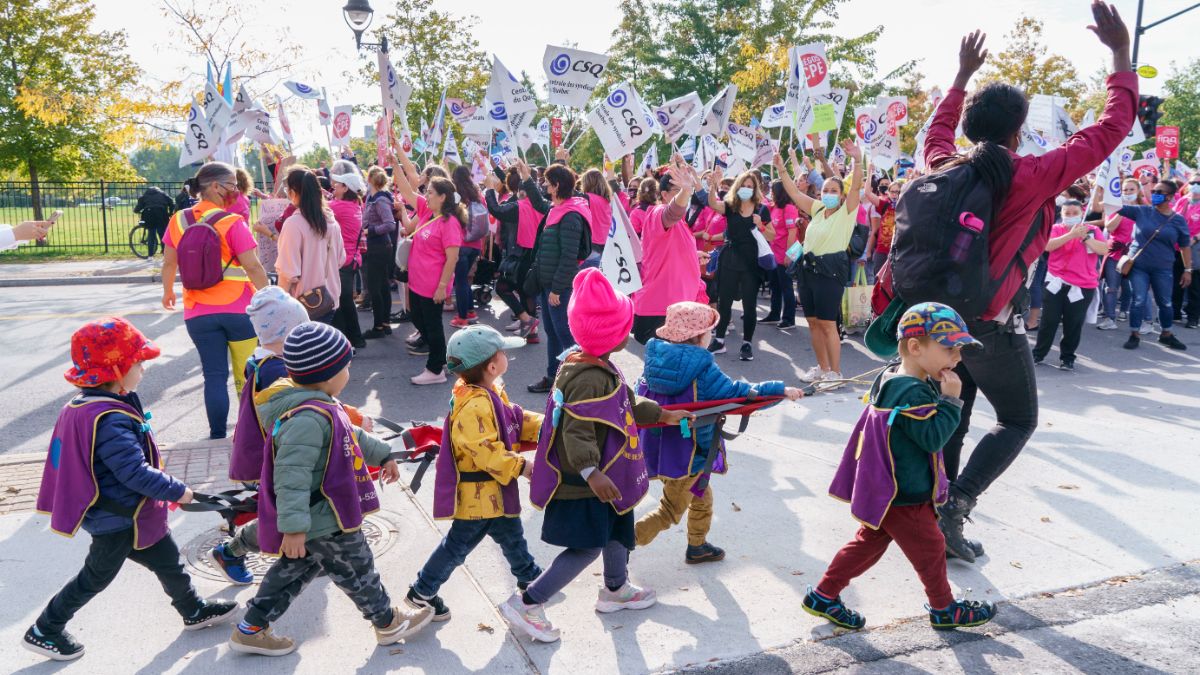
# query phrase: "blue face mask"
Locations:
[[745, 193], [1157, 199], [831, 201]]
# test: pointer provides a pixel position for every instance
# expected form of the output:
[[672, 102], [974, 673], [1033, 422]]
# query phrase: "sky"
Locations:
[[929, 33]]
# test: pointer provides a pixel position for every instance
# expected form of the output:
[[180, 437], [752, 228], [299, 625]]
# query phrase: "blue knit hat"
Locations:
[[314, 352]]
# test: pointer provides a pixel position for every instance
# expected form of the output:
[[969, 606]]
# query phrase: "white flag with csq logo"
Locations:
[[572, 75], [621, 121]]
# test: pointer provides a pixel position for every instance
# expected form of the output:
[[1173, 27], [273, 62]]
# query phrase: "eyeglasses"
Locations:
[[1159, 192]]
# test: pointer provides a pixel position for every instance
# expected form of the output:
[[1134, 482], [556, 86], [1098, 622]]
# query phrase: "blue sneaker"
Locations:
[[961, 614], [233, 567], [833, 611]]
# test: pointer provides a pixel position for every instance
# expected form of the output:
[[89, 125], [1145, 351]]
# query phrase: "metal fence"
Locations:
[[97, 215]]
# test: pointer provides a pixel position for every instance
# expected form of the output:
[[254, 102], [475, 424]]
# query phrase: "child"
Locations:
[[892, 472], [314, 494], [104, 473], [589, 471], [679, 368], [478, 468], [274, 313]]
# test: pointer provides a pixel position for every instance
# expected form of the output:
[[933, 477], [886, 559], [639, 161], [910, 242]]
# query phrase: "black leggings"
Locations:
[[737, 285], [1057, 309], [379, 275], [513, 292], [345, 318], [427, 318]]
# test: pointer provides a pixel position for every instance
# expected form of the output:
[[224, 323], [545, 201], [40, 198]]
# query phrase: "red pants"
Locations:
[[915, 529]]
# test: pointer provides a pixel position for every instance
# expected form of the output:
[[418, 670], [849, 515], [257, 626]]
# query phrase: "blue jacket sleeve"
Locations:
[[119, 446], [714, 385]]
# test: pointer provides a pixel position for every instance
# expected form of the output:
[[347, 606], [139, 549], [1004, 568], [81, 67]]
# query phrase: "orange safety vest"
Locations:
[[233, 285]]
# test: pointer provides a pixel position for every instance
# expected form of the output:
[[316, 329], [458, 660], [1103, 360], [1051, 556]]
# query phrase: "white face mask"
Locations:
[[1130, 198], [1072, 221]]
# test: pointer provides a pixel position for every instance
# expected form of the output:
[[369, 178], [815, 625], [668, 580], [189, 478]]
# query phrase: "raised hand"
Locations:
[[1109, 27], [971, 56]]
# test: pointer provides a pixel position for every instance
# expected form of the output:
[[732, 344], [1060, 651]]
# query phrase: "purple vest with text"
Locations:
[[345, 486], [249, 438], [69, 486], [621, 458], [445, 487]]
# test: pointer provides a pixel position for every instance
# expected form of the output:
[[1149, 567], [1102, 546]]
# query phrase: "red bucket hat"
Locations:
[[104, 350]]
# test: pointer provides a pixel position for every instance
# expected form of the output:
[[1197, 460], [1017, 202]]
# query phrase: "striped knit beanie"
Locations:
[[314, 352]]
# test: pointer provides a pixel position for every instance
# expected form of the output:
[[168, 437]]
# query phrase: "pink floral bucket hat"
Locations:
[[686, 320]]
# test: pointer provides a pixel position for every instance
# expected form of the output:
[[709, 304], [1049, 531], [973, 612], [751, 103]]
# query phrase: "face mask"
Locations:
[[831, 201], [1129, 199], [1072, 221], [1157, 199], [1060, 200], [745, 193], [1194, 188]]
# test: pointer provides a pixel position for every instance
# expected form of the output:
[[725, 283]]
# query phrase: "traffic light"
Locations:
[[1148, 114]]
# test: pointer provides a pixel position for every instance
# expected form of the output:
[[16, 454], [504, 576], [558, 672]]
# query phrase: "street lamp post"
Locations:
[[358, 15], [1139, 28]]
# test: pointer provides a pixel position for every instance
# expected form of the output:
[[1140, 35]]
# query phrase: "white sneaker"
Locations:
[[812, 374], [529, 619], [625, 597], [1146, 329], [831, 375], [427, 377], [514, 326], [404, 624], [1107, 324]]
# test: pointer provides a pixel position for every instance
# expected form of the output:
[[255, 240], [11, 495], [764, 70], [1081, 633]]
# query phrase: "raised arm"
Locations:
[[801, 200], [714, 202], [856, 175]]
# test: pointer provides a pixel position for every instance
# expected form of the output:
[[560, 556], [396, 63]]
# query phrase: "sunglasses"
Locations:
[[1159, 192]]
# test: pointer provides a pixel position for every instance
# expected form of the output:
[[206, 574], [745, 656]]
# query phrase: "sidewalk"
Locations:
[[72, 272]]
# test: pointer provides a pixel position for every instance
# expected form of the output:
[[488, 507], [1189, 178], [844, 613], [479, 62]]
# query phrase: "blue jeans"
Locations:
[[1145, 280], [783, 294], [463, 537], [212, 335], [464, 301], [1114, 283], [558, 333]]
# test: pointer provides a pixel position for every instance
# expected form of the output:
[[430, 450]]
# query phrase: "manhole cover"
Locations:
[[380, 528]]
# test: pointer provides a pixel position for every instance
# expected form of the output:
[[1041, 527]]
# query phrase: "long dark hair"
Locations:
[[303, 182], [991, 116], [779, 196], [450, 207], [461, 177]]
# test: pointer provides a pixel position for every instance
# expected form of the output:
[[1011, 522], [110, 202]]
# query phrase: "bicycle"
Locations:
[[139, 240]]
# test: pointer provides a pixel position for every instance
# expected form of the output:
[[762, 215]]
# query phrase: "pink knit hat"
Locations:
[[686, 320], [599, 316]]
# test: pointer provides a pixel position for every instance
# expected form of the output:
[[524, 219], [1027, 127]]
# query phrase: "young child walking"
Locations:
[[273, 313], [892, 472], [477, 470], [589, 471], [104, 473], [680, 369], [314, 493]]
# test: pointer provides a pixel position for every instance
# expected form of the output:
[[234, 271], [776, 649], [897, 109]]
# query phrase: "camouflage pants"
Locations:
[[347, 561], [244, 540]]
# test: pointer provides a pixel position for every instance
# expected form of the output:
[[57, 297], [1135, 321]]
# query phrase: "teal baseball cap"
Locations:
[[474, 345]]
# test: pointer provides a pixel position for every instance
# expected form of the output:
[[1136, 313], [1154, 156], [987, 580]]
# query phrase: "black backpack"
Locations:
[[939, 251]]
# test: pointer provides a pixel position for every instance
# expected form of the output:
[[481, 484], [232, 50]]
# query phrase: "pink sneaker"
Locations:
[[529, 619], [427, 377], [458, 322], [625, 597]]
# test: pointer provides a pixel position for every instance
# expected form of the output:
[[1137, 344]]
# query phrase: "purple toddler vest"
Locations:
[[866, 477], [668, 453], [509, 419], [69, 486], [249, 438], [621, 458], [345, 485]]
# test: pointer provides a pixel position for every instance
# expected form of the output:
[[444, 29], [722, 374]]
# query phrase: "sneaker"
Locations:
[[833, 611], [527, 328], [413, 337], [786, 325], [400, 317], [716, 346], [1132, 342], [961, 614], [975, 546], [1068, 366], [533, 338], [458, 322], [625, 597], [770, 318], [542, 386], [831, 375], [57, 647], [1039, 361], [377, 332], [1107, 324], [1122, 316], [1146, 329], [812, 374], [1171, 342], [210, 614], [263, 643], [427, 377], [950, 521], [529, 619], [440, 611], [1192, 324], [472, 318], [403, 625], [746, 353], [419, 348], [514, 326], [231, 566], [703, 553]]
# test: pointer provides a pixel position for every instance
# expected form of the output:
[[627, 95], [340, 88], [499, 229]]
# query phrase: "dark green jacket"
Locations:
[[913, 441]]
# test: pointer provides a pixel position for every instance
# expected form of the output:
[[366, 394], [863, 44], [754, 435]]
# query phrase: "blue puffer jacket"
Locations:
[[671, 368], [121, 469]]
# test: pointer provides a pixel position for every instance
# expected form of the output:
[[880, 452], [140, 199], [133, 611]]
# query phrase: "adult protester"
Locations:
[[1120, 235], [1186, 300], [477, 214], [670, 272], [647, 198], [246, 188], [738, 273], [155, 207], [1074, 247], [1024, 188], [784, 217], [564, 242], [518, 214], [215, 315], [599, 195], [883, 224], [186, 198], [311, 252], [12, 236], [825, 265], [347, 208], [379, 222], [1157, 231]]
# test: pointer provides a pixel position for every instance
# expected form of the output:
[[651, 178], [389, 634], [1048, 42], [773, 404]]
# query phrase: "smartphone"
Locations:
[[54, 217]]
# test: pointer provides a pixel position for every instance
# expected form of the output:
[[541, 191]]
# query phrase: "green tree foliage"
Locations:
[[160, 162], [1027, 63], [1182, 107]]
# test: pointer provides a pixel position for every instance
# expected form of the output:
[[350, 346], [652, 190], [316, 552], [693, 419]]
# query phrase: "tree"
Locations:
[[68, 102], [700, 52], [160, 162], [633, 54], [1027, 63], [1182, 107]]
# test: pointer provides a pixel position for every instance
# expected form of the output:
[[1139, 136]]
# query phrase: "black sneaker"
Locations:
[[1192, 324], [975, 546], [1171, 342], [704, 553], [440, 611], [542, 386], [1038, 361], [746, 353], [210, 613], [419, 348], [950, 521], [961, 614], [786, 325], [400, 317], [770, 318], [717, 346], [57, 647], [1132, 342], [376, 333], [1068, 366], [832, 611]]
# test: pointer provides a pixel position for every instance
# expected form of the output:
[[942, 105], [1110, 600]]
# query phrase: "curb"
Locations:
[[81, 281]]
